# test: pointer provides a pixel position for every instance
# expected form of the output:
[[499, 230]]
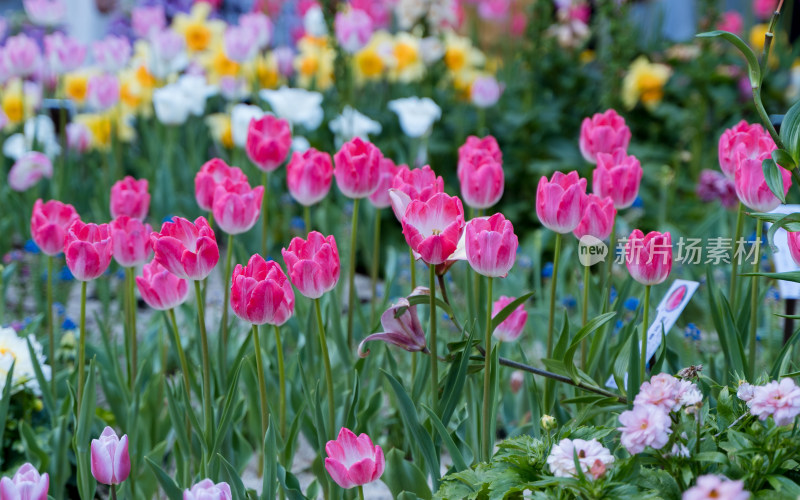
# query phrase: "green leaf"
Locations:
[[633, 368], [754, 69], [290, 484], [783, 158], [458, 460], [401, 475], [790, 132], [167, 483], [32, 448], [269, 486], [588, 329], [6, 399], [227, 410], [350, 419], [505, 312], [233, 479], [772, 175], [44, 385], [454, 383]]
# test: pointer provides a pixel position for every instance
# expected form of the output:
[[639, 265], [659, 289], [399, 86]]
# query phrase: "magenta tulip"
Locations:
[[649, 258], [413, 184], [597, 219], [111, 463], [511, 328], [49, 224], [186, 250], [261, 293], [27, 484], [559, 201], [482, 180], [268, 142], [357, 168], [130, 241], [237, 206], [603, 133], [211, 174], [751, 185], [491, 245], [312, 264], [401, 327], [743, 140], [475, 145], [309, 176], [380, 198], [617, 176], [353, 460], [161, 289], [130, 197], [88, 249], [432, 228]]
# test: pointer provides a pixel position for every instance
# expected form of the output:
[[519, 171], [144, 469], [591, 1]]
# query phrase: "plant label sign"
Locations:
[[783, 259], [667, 312]]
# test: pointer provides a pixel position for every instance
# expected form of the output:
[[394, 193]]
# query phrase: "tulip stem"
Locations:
[[434, 350], [412, 268], [307, 217], [50, 326], [130, 281], [82, 348], [113, 492], [327, 360], [281, 382], [225, 306], [584, 312], [376, 260], [734, 263], [486, 434], [643, 347], [207, 409], [351, 274], [264, 214], [360, 492], [262, 384], [553, 282], [181, 355], [612, 253], [754, 301]]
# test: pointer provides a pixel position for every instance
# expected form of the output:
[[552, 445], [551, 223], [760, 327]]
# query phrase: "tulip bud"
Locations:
[[548, 422], [111, 463]]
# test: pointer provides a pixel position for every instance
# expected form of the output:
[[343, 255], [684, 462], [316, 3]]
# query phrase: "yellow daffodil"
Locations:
[[314, 63], [200, 32], [372, 61], [219, 66], [266, 71], [757, 34], [99, 125], [645, 82], [220, 126], [407, 62], [459, 54], [76, 85], [136, 90], [14, 104]]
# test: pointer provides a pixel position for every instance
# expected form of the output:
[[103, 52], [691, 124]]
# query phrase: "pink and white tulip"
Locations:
[[313, 264], [49, 224], [511, 327], [27, 484], [309, 176], [261, 293], [491, 245], [597, 219], [237, 206], [129, 197], [413, 184], [353, 460], [161, 289], [357, 168], [603, 133], [649, 258], [213, 173], [187, 250], [208, 490], [617, 176], [88, 249], [353, 29], [130, 241], [111, 462], [433, 228], [560, 201]]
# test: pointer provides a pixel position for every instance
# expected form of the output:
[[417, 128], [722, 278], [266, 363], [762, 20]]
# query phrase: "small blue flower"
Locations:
[[65, 274], [524, 261], [547, 270], [68, 324], [569, 302], [120, 274], [612, 296], [31, 247], [298, 223], [692, 332], [618, 325], [168, 218], [631, 304], [59, 307], [638, 203], [773, 294], [348, 208]]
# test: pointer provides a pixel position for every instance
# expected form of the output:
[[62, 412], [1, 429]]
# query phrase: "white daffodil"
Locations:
[[416, 114], [297, 106]]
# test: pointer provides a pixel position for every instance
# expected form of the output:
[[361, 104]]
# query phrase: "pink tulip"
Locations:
[[261, 292], [21, 56], [145, 20], [603, 133], [27, 484], [102, 92], [357, 168], [560, 201], [413, 184], [268, 142], [491, 245], [49, 224], [751, 185], [475, 145], [236, 206], [794, 246], [485, 91], [494, 10], [380, 11], [353, 461], [482, 180], [353, 29], [309, 175], [731, 21], [88, 249], [47, 13], [29, 169], [433, 228], [519, 24], [161, 289], [112, 53], [111, 463], [742, 141], [511, 328], [617, 176], [313, 264], [131, 241], [211, 174], [130, 197], [186, 250], [401, 327], [649, 258], [597, 219], [380, 198], [63, 53], [260, 25], [207, 490], [763, 9], [240, 43]]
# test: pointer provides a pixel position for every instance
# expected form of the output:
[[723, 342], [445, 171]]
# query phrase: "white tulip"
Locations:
[[297, 106], [416, 115]]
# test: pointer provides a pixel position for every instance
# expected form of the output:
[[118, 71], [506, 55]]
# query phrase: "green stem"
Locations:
[[307, 217], [207, 408], [612, 249], [51, 336], [553, 282], [413, 268], [281, 382], [360, 492], [225, 306], [262, 384], [433, 349], [351, 274], [734, 264], [754, 301], [645, 324], [181, 355], [131, 283], [82, 348], [327, 361], [486, 438], [376, 260], [584, 312], [264, 214], [113, 492]]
